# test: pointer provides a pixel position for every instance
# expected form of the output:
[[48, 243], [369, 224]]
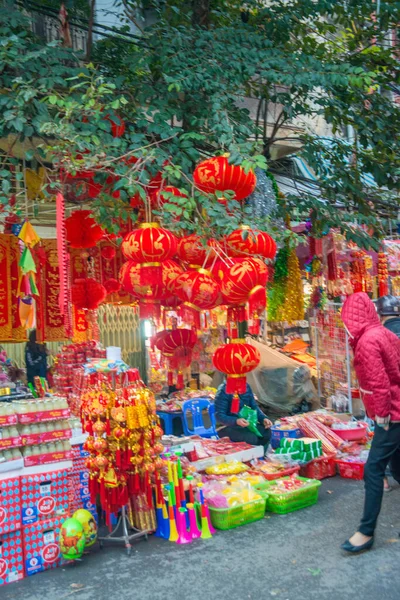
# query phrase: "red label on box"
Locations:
[[45, 459], [46, 505], [51, 553], [47, 415], [43, 438], [8, 420], [3, 567], [11, 443]]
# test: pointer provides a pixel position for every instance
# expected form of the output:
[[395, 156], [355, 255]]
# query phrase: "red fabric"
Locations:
[[376, 357]]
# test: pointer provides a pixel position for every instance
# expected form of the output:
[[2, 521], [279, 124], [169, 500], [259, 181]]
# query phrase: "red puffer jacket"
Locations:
[[376, 357]]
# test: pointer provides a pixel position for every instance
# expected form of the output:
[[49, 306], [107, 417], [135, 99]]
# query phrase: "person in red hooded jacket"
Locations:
[[377, 365]]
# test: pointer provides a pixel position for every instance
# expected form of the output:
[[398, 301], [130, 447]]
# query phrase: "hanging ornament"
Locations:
[[108, 252], [82, 230], [243, 278], [177, 346], [247, 242], [198, 291], [87, 293], [191, 250], [216, 175], [383, 274], [112, 286], [293, 307], [236, 360]]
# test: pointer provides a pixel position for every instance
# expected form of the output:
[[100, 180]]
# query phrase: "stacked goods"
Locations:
[[282, 430], [41, 548], [79, 483], [302, 449], [312, 427], [11, 551]]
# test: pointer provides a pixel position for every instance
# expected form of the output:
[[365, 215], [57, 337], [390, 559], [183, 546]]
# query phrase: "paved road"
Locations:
[[293, 557]]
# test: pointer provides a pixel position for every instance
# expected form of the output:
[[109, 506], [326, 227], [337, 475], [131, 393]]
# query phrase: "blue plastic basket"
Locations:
[[277, 434]]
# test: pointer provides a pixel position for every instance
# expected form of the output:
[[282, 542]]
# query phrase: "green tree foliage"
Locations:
[[180, 89]]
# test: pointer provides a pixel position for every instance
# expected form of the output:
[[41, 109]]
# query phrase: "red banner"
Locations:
[[5, 289], [49, 320]]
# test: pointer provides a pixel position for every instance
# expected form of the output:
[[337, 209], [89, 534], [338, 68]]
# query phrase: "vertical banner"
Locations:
[[5, 289], [50, 320]]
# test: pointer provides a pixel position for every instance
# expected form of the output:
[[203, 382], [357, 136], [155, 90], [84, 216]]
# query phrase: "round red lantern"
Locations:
[[216, 175], [191, 250], [236, 360], [149, 245], [87, 293], [199, 291], [176, 345], [242, 279], [82, 231], [247, 242], [108, 252]]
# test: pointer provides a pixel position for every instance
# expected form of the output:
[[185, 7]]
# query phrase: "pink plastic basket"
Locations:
[[352, 435]]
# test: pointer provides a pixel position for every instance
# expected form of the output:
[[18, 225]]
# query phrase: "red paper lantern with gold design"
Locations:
[[176, 345], [236, 360], [247, 242], [191, 250], [243, 278], [216, 175], [149, 245], [198, 290]]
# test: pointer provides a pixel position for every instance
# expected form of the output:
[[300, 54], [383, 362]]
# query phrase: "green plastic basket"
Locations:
[[283, 504], [229, 518]]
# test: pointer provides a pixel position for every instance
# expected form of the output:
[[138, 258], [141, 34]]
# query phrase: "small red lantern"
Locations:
[[236, 360], [176, 346], [149, 245], [108, 252], [82, 231], [191, 250], [246, 242], [216, 175], [87, 293], [112, 286], [199, 291], [241, 279]]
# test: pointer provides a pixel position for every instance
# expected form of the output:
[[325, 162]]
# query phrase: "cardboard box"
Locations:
[[44, 495], [41, 547], [11, 557], [10, 505]]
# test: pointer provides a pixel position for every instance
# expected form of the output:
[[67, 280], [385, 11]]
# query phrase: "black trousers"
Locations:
[[385, 450], [242, 434]]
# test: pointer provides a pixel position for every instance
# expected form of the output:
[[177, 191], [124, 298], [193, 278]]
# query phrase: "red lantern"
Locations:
[[246, 242], [112, 286], [242, 278], [82, 231], [199, 291], [176, 346], [216, 175], [191, 250], [87, 293], [236, 360], [149, 245], [108, 252]]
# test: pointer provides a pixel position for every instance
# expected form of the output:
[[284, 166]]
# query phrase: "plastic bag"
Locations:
[[251, 417]]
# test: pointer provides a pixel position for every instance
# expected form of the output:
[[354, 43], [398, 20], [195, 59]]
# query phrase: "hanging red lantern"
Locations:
[[247, 242], [87, 293], [82, 231], [112, 286], [176, 345], [243, 278], [236, 360], [216, 175], [108, 252], [257, 305], [149, 245], [199, 291], [191, 250]]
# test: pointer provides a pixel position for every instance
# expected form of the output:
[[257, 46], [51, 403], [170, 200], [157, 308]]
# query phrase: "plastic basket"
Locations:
[[319, 468], [277, 434], [229, 518], [350, 470], [284, 503], [286, 473]]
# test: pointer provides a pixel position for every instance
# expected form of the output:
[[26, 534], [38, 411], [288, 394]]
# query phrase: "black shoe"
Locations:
[[348, 547]]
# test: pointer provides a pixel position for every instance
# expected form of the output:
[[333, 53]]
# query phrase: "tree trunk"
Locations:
[[201, 13], [92, 6]]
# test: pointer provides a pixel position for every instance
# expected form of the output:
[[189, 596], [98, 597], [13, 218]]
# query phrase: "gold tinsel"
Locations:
[[293, 308]]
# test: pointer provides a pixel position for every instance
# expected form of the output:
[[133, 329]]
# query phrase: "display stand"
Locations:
[[123, 524]]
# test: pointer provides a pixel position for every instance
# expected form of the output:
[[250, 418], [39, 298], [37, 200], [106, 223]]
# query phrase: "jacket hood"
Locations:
[[359, 314]]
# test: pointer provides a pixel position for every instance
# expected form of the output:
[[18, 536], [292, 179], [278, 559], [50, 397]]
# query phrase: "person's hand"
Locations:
[[242, 423], [267, 423], [383, 422]]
